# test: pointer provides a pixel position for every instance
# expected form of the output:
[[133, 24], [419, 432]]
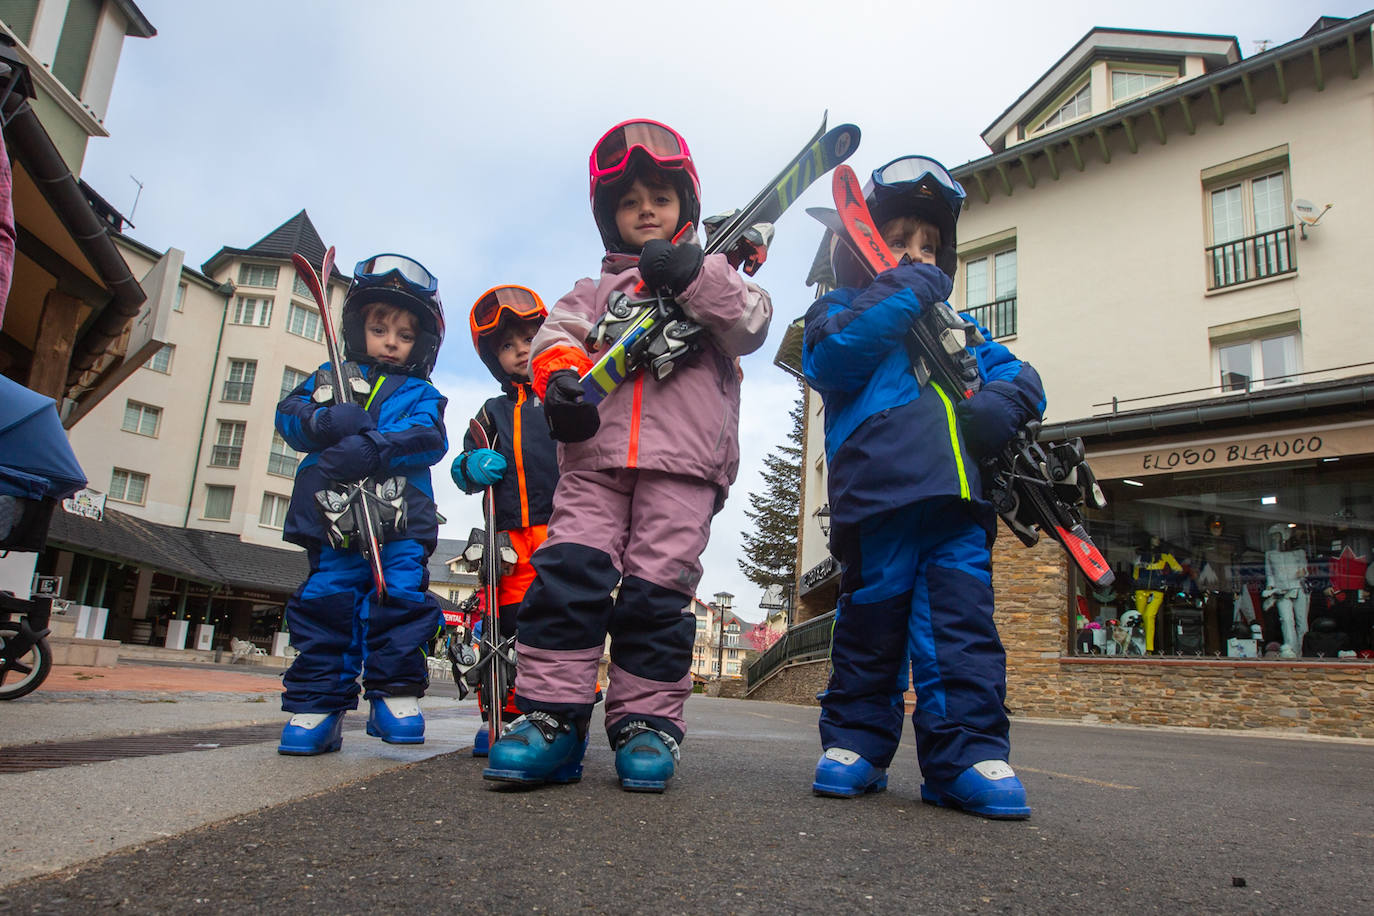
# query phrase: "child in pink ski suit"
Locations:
[[642, 474]]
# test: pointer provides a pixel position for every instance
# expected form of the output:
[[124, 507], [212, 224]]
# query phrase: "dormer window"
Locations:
[[1127, 84], [1078, 105]]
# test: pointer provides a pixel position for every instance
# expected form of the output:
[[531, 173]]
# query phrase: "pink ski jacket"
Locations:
[[686, 424]]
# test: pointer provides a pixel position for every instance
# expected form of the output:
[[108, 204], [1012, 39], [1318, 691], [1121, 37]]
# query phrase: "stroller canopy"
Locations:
[[36, 460]]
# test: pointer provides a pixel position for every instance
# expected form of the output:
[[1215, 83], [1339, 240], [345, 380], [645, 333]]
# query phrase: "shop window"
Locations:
[[282, 459], [990, 291], [128, 486], [161, 361], [238, 387], [304, 322], [1251, 236], [219, 503], [1245, 558], [228, 450], [257, 275], [273, 514], [251, 311], [1260, 363], [143, 419]]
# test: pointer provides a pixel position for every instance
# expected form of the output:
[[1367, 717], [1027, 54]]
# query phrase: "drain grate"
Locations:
[[24, 758]]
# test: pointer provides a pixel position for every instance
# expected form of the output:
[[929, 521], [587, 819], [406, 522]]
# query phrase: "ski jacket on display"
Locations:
[[687, 423], [515, 424], [890, 441], [410, 438]]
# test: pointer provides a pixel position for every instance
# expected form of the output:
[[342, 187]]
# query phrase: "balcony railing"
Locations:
[[282, 465], [998, 317], [226, 456], [239, 392], [800, 643], [1267, 254]]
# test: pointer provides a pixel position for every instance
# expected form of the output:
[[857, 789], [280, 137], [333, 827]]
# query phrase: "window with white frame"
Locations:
[[128, 486], [990, 291], [1075, 107], [282, 459], [1128, 83], [161, 361], [1251, 236], [299, 288], [219, 503], [238, 386], [290, 380], [248, 310], [273, 514], [179, 302], [143, 419], [304, 322], [1261, 362], [257, 275], [228, 450]]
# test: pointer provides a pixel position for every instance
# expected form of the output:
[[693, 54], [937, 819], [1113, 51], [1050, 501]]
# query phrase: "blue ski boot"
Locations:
[[538, 747], [481, 742], [645, 758], [397, 720], [844, 774], [989, 789], [311, 733]]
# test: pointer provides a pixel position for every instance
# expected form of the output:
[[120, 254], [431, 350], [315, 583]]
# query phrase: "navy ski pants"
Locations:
[[342, 631], [916, 601]]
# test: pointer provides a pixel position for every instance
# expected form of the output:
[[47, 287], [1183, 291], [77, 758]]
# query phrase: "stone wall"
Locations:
[[1316, 697]]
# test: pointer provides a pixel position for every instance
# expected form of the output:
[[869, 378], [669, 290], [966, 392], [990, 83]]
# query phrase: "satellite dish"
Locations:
[[1307, 214]]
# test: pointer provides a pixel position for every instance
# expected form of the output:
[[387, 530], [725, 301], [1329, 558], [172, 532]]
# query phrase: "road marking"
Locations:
[[1091, 782]]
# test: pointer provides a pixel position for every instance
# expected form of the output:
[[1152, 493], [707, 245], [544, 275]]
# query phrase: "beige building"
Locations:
[[722, 647], [1150, 230]]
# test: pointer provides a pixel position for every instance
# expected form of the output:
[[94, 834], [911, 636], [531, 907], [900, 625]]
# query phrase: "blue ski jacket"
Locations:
[[889, 441], [410, 438]]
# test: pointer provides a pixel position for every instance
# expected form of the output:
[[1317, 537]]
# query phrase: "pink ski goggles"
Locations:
[[660, 142]]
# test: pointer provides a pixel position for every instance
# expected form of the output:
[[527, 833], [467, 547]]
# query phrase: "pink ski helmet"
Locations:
[[619, 156]]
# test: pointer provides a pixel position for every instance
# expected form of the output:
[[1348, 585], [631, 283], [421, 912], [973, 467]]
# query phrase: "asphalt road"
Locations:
[[1126, 820]]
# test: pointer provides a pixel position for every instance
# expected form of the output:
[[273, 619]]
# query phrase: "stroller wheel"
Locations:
[[21, 674]]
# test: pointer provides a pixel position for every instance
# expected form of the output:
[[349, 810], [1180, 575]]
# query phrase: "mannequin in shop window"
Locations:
[[1285, 567], [1214, 581], [1153, 565]]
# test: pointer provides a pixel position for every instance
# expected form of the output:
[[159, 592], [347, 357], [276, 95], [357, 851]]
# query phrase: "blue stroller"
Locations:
[[37, 468]]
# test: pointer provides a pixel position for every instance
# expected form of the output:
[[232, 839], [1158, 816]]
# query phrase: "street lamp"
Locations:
[[823, 518], [722, 607]]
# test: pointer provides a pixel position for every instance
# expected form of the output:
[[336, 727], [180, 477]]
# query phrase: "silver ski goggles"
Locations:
[[381, 268], [913, 170]]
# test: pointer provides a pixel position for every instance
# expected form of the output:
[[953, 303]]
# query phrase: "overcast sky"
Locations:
[[458, 133]]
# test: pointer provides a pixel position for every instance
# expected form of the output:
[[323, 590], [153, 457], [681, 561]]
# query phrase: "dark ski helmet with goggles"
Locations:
[[645, 149], [493, 313], [402, 282]]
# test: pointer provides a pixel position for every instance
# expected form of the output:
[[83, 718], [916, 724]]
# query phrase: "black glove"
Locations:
[[670, 268], [330, 425], [570, 417], [352, 459]]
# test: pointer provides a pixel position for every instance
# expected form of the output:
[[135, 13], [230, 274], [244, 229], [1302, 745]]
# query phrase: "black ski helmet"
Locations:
[[633, 149], [404, 283], [921, 187], [493, 312]]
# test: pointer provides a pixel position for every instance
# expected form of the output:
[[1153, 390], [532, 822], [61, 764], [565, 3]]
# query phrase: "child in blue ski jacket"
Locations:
[[909, 524], [387, 431]]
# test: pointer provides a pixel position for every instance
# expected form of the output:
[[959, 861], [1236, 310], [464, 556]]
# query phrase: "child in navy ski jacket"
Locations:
[[522, 464], [909, 524], [642, 474], [387, 431]]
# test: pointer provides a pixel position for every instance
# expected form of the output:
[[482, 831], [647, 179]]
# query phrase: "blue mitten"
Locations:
[[990, 418], [928, 282], [330, 425], [352, 459], [479, 468]]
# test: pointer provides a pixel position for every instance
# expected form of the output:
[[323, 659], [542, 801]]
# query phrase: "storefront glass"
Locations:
[[1270, 562]]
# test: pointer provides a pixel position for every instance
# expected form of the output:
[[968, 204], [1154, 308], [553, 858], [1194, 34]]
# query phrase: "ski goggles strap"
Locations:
[[520, 302], [663, 145], [410, 272]]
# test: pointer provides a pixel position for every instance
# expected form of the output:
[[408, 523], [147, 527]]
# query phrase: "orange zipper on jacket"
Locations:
[[632, 459], [519, 450]]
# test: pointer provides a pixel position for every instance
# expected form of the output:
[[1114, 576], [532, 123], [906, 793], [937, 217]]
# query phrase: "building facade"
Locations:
[[1151, 232]]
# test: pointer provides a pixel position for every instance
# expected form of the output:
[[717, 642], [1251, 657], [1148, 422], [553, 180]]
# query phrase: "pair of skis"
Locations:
[[358, 498], [1033, 487], [654, 332], [495, 656]]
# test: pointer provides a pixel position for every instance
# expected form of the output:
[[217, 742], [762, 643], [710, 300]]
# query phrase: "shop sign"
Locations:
[[86, 503], [1242, 451], [819, 574]]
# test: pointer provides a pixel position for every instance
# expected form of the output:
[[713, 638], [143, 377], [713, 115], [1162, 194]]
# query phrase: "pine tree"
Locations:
[[770, 550]]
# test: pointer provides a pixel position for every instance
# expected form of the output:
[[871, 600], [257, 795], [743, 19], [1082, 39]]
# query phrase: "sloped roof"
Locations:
[[438, 562], [295, 236]]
